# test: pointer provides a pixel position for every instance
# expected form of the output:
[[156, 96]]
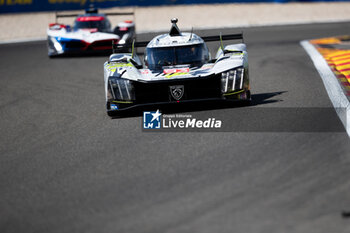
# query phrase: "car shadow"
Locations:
[[82, 55], [265, 98], [173, 108]]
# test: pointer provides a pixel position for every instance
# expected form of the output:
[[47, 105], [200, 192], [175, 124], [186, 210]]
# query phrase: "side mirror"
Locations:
[[137, 66], [145, 61]]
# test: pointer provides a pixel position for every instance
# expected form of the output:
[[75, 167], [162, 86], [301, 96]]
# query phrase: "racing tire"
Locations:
[[111, 114]]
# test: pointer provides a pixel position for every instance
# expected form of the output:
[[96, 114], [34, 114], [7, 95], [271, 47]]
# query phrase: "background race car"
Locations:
[[91, 32], [177, 68]]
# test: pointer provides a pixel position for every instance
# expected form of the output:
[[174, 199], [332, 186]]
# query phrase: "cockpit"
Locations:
[[192, 55]]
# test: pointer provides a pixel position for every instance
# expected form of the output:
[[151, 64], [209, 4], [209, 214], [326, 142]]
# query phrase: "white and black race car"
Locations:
[[91, 33], [177, 68]]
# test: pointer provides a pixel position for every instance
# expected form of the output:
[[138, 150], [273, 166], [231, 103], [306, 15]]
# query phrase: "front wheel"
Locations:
[[110, 113]]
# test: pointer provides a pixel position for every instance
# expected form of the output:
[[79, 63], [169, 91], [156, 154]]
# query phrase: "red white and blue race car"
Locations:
[[91, 32]]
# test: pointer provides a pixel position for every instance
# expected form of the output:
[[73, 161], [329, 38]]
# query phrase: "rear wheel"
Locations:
[[108, 108]]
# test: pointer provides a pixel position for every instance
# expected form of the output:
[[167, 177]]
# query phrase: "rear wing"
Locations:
[[57, 15], [238, 36], [140, 44]]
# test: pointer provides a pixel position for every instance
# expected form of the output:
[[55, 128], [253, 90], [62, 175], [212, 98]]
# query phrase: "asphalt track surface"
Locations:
[[67, 167]]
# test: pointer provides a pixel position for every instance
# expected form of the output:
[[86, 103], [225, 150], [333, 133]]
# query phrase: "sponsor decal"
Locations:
[[81, 2], [179, 70], [123, 29], [113, 67], [114, 107], [15, 2], [207, 66], [174, 74], [144, 71], [177, 91], [90, 18], [169, 73]]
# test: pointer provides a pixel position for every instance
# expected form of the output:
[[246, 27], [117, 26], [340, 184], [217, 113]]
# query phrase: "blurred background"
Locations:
[[28, 19]]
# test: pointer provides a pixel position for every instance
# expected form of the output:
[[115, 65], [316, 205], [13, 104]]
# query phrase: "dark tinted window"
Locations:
[[194, 55]]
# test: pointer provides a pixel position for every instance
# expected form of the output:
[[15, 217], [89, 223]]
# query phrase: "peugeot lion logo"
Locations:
[[177, 91]]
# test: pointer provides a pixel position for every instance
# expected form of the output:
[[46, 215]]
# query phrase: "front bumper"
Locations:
[[76, 47], [194, 90], [122, 107]]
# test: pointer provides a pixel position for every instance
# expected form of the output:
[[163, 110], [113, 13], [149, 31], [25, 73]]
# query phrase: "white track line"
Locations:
[[333, 88]]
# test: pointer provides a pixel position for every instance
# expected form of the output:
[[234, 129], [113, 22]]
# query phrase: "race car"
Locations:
[[91, 32], [177, 68]]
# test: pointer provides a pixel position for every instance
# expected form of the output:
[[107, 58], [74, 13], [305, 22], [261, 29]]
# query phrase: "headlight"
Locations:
[[56, 44], [232, 80], [121, 89]]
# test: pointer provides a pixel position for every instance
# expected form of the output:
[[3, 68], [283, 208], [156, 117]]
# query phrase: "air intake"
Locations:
[[174, 30]]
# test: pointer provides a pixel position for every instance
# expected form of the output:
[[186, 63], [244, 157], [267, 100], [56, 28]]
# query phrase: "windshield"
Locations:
[[194, 55], [101, 25]]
